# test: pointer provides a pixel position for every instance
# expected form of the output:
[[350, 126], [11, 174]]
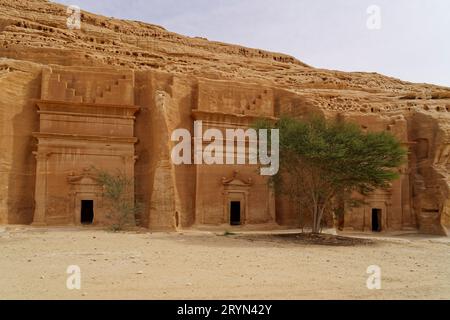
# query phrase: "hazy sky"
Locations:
[[412, 43]]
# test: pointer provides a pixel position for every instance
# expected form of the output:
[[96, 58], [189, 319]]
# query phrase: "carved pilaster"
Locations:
[[40, 194]]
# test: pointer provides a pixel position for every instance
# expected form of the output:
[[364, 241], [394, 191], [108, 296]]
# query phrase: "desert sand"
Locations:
[[210, 265]]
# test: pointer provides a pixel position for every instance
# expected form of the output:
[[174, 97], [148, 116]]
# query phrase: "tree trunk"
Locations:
[[315, 224]]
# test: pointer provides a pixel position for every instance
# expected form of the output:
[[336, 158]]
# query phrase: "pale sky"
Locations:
[[412, 43]]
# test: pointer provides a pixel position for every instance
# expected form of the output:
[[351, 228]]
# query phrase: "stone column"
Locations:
[[272, 207], [128, 162], [408, 221], [246, 207], [40, 194]]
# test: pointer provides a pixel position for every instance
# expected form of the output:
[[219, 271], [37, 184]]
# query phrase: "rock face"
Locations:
[[112, 64]]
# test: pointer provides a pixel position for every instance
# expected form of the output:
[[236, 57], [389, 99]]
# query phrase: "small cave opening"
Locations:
[[235, 213], [87, 211], [376, 220]]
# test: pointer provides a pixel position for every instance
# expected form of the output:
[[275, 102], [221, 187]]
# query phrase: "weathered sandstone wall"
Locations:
[[19, 83], [169, 71]]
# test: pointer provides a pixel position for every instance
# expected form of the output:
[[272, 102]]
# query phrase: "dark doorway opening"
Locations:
[[235, 213], [87, 211], [376, 220]]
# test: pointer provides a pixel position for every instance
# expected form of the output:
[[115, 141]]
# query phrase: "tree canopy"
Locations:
[[326, 161]]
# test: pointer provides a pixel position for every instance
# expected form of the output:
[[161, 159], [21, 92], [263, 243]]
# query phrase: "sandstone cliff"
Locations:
[[33, 34]]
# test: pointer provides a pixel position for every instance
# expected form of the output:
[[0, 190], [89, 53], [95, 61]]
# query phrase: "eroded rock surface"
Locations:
[[173, 78]]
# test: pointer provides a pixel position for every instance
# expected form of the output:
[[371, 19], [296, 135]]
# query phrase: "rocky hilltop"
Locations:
[[35, 30], [33, 36]]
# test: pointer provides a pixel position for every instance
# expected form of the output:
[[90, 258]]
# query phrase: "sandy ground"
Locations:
[[204, 265]]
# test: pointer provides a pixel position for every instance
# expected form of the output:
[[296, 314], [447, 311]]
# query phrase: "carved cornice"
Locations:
[[236, 180], [73, 178], [40, 135], [232, 118], [61, 107]]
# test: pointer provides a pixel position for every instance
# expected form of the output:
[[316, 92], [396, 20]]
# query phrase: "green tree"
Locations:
[[324, 163], [117, 191]]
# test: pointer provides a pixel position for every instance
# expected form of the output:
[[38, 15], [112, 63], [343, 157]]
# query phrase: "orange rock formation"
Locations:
[[55, 81]]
